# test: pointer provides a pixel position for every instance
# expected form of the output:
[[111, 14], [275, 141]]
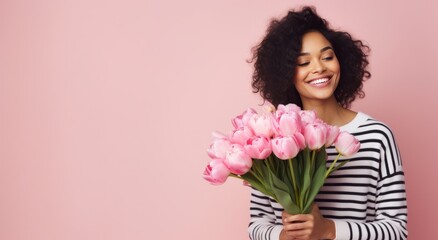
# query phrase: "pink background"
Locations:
[[106, 109]]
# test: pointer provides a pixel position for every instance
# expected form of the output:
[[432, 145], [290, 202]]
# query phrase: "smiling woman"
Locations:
[[281, 53], [301, 60]]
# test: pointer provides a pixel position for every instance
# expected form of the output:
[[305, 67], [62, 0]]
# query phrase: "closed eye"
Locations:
[[303, 64]]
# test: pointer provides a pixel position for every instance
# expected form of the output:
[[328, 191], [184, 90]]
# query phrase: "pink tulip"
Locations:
[[285, 147], [346, 144], [288, 108], [237, 160], [216, 172], [219, 148], [307, 117], [240, 135], [332, 134], [242, 119], [300, 140], [288, 124], [315, 135], [285, 109], [262, 125], [258, 147]]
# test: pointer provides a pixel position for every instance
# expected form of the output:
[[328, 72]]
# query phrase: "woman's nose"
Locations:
[[318, 67]]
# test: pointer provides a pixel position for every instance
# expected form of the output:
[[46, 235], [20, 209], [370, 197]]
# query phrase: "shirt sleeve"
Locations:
[[390, 205], [262, 224]]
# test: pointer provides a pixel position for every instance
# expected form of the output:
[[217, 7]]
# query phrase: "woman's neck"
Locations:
[[330, 112]]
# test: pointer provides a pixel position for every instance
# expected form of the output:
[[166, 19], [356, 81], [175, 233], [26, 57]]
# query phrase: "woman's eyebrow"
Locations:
[[325, 49], [322, 50]]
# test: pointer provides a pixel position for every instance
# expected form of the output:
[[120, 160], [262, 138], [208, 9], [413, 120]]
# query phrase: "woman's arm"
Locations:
[[391, 213], [262, 225]]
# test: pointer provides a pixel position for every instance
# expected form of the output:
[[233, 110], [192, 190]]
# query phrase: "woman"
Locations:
[[302, 61]]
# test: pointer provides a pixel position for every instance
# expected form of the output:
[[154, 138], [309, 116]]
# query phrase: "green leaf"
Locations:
[[287, 176], [306, 153], [254, 182], [321, 157], [278, 165], [283, 196], [317, 183]]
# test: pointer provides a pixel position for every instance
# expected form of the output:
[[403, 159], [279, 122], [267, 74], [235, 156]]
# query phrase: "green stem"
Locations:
[[235, 176], [256, 175], [331, 166], [294, 183]]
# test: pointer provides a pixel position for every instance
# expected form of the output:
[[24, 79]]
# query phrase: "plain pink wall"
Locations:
[[106, 109]]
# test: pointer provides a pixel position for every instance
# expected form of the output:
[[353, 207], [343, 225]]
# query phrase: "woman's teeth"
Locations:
[[319, 81]]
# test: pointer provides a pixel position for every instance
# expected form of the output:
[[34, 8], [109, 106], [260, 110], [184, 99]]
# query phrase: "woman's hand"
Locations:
[[307, 226]]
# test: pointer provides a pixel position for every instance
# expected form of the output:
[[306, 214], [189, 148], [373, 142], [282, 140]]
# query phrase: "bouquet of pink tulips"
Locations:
[[281, 153]]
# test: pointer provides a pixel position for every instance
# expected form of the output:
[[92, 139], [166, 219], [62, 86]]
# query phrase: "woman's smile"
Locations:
[[320, 81]]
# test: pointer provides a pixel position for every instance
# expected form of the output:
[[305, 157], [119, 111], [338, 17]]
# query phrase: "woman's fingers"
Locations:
[[299, 234], [298, 218], [295, 226]]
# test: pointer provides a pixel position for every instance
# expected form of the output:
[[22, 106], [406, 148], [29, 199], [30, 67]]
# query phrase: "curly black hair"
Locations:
[[275, 58]]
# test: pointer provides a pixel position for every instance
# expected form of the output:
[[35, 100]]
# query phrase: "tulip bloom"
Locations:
[[258, 147], [242, 119], [219, 148], [346, 144], [240, 135], [237, 160], [285, 147], [307, 117], [332, 134], [300, 140], [262, 125], [289, 124], [288, 108], [315, 135], [216, 172]]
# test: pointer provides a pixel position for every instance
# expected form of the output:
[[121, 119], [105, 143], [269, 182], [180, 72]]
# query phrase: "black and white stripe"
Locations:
[[365, 198]]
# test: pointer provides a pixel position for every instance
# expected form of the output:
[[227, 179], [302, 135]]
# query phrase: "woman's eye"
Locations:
[[328, 58], [303, 64]]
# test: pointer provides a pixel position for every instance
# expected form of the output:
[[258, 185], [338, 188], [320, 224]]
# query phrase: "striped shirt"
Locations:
[[365, 198]]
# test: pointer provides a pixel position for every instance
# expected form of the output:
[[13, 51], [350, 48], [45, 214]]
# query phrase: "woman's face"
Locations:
[[317, 72]]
